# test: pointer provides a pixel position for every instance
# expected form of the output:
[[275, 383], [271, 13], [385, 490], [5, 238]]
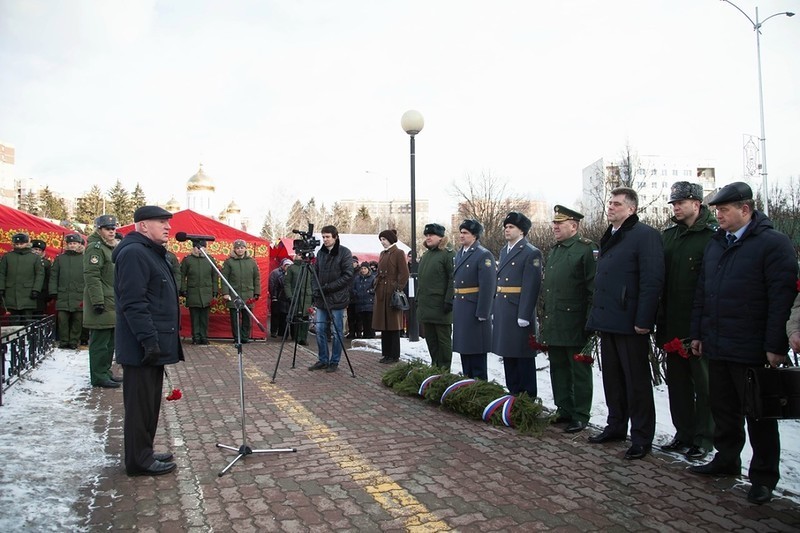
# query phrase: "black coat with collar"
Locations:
[[629, 279], [335, 272]]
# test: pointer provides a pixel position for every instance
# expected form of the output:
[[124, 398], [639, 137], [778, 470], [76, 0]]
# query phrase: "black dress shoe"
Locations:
[[116, 378], [759, 494], [108, 384], [676, 445], [605, 436], [637, 451], [575, 426], [318, 366], [156, 469], [714, 469], [696, 453], [163, 457]]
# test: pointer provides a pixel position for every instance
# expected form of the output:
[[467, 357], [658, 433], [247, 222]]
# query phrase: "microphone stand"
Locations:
[[243, 450]]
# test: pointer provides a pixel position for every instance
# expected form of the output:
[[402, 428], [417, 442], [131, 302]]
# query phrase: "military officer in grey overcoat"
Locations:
[[567, 297], [474, 280], [519, 278]]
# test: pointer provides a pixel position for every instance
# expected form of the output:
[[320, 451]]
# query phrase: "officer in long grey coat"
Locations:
[[519, 278], [474, 280]]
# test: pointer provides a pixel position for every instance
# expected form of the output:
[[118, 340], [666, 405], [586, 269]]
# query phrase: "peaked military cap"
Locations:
[[20, 238], [73, 237], [149, 212], [737, 191], [519, 220], [562, 213], [105, 221], [434, 229], [40, 244], [683, 190], [472, 226]]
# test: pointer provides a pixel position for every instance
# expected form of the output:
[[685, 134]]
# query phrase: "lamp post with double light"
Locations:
[[757, 28], [412, 123]]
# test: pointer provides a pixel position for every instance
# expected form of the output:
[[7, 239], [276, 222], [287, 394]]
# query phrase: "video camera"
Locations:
[[306, 244]]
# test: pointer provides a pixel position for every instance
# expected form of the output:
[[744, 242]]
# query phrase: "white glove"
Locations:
[[481, 319], [523, 323]]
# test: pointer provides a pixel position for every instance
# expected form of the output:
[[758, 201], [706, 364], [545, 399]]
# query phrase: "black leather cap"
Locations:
[[738, 191], [149, 212]]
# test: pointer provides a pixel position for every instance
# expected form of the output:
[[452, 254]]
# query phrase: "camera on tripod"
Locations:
[[306, 244]]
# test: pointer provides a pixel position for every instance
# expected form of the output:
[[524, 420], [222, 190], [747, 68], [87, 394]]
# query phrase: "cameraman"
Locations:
[[335, 273]]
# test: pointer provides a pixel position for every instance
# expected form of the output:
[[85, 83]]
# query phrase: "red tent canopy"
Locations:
[[13, 221], [188, 221]]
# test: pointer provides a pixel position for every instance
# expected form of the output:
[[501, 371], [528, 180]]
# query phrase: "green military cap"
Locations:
[[562, 213]]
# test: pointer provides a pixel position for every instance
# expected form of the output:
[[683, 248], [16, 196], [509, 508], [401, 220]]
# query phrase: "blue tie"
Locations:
[[731, 239]]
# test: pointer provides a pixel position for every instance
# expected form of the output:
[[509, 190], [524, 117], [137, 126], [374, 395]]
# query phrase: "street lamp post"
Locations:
[[412, 123], [757, 28]]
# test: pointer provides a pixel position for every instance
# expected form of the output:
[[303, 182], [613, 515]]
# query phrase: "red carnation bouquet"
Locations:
[[680, 347], [586, 355], [535, 345], [175, 394]]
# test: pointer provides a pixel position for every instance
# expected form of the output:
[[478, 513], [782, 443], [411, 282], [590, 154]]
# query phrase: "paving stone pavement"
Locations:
[[370, 460]]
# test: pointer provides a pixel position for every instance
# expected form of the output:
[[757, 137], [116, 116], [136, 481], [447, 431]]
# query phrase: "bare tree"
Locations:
[[487, 199], [784, 209]]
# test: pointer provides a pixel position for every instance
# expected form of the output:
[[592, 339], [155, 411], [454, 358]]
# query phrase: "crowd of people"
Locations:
[[720, 282]]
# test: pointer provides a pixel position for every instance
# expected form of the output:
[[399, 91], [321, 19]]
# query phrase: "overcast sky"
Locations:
[[284, 100]]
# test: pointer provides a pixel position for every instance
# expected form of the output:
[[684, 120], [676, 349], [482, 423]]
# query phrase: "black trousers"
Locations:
[[244, 320], [726, 382], [390, 344], [141, 397], [628, 387], [520, 375], [473, 365]]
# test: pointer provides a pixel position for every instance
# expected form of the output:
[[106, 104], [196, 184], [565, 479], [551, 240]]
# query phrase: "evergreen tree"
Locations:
[[29, 203], [297, 219], [363, 223], [51, 206], [340, 217], [121, 204], [90, 206], [138, 198]]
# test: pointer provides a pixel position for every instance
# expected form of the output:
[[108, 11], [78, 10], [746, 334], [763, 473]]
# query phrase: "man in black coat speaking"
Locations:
[[147, 336], [627, 288]]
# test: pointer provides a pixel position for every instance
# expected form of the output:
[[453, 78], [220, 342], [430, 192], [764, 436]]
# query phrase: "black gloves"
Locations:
[[34, 295], [256, 296], [99, 308], [448, 306], [151, 353]]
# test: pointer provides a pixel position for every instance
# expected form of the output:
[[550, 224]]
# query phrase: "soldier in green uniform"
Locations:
[[99, 314], [198, 284], [241, 271], [38, 247], [567, 294], [21, 278], [435, 295], [687, 377], [66, 284]]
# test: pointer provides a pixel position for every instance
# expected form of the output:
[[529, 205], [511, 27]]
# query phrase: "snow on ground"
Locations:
[[50, 447]]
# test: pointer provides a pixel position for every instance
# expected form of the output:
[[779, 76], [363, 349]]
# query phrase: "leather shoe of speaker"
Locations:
[[163, 456], [108, 384], [575, 426], [713, 469], [605, 436], [759, 494], [676, 445], [158, 468], [637, 451], [696, 453]]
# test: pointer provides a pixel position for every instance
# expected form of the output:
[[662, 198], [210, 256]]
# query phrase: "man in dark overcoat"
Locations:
[[148, 334], [435, 295], [627, 288], [687, 373], [474, 284], [744, 296], [519, 278], [66, 284], [567, 291], [21, 277], [199, 283]]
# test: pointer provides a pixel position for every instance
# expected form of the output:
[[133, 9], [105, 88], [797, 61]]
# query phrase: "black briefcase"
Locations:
[[772, 392]]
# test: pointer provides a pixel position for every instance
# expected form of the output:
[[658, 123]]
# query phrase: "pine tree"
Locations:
[[51, 206], [138, 198], [90, 206], [29, 203], [121, 204], [297, 219], [341, 217]]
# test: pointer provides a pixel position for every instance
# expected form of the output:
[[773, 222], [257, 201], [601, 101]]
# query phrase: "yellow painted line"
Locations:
[[397, 501]]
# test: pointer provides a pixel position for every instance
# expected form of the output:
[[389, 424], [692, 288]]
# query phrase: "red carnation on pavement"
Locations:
[[174, 395]]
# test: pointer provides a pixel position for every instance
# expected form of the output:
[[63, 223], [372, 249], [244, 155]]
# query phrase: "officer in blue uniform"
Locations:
[[474, 280], [519, 278]]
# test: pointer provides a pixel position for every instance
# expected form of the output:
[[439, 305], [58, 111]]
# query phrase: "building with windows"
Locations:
[[651, 176]]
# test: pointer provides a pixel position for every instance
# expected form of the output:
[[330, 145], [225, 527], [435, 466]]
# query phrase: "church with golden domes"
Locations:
[[200, 191]]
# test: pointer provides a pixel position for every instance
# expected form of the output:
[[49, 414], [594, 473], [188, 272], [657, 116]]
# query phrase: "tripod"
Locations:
[[307, 273], [239, 305]]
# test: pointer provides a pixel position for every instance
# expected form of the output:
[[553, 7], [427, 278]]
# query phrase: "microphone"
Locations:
[[182, 236]]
